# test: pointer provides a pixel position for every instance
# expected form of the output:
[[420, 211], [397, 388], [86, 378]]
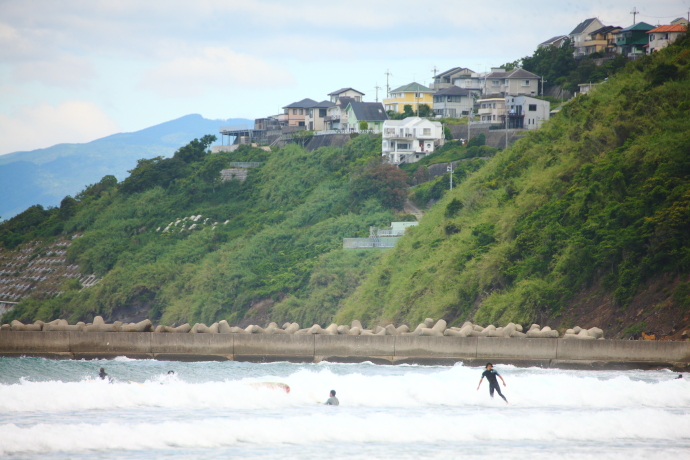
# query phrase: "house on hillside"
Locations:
[[633, 41], [296, 111], [448, 78], [681, 21], [453, 102], [556, 41], [491, 110], [371, 112], [410, 139], [349, 93], [602, 40], [412, 94], [500, 82], [526, 112], [579, 34], [315, 116], [662, 36]]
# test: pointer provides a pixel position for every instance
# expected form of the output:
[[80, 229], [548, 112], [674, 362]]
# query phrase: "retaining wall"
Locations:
[[559, 353]]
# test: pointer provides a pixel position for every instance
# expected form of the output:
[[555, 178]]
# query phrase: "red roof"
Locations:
[[673, 28]]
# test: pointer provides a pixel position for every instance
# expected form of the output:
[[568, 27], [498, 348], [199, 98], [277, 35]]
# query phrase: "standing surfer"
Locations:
[[491, 375]]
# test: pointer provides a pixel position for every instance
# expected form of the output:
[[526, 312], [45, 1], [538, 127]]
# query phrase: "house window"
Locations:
[[358, 98], [533, 107], [427, 132], [301, 111], [301, 123], [525, 83], [495, 83], [322, 113], [403, 146], [468, 83], [417, 95], [294, 111], [651, 38]]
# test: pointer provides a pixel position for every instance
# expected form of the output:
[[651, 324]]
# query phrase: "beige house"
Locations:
[[602, 40], [662, 36], [315, 116], [579, 34], [351, 93], [491, 110], [296, 112], [515, 82]]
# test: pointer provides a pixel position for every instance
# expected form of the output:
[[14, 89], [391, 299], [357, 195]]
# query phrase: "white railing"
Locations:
[[345, 131]]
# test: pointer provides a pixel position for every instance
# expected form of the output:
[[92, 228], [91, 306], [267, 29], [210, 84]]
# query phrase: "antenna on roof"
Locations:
[[634, 12], [388, 88]]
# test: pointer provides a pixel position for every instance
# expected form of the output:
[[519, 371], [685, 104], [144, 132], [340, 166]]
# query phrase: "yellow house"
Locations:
[[413, 94]]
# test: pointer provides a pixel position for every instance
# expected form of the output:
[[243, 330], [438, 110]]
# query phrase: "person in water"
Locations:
[[103, 375], [491, 375], [332, 401]]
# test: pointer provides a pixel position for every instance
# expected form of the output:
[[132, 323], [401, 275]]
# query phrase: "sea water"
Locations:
[[211, 410]]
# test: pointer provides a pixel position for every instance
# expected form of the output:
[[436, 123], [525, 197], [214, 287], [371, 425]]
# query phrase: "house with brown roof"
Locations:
[[514, 82], [662, 36], [602, 40], [579, 34]]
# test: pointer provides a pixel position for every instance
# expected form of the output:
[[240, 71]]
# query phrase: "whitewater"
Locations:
[[51, 409]]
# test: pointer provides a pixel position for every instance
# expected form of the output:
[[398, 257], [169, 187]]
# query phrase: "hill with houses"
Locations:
[[580, 219]]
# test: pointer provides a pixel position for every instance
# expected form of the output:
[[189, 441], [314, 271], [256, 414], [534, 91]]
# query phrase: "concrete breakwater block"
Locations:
[[427, 328]]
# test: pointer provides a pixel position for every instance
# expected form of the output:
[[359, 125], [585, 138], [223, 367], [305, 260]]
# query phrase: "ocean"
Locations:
[[51, 409]]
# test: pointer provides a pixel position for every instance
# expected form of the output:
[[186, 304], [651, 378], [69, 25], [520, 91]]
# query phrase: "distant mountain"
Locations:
[[46, 176]]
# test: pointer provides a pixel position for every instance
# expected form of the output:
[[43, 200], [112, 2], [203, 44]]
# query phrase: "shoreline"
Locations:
[[260, 348]]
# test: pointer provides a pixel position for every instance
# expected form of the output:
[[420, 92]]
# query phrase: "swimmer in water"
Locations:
[[332, 401], [491, 375], [103, 375]]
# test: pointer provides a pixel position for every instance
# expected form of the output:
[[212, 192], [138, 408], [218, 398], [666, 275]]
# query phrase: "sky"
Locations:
[[77, 70]]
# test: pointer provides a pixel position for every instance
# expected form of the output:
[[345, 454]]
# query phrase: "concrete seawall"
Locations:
[[557, 353]]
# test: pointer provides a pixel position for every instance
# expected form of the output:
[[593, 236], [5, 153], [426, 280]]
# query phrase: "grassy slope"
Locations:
[[283, 241], [599, 196]]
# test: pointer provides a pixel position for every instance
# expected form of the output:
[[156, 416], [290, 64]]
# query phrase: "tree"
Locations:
[[424, 110], [477, 141], [68, 208], [407, 111], [421, 175], [363, 125], [195, 150], [387, 183], [210, 170], [447, 134]]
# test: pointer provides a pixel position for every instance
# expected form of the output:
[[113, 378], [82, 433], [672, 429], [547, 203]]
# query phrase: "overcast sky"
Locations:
[[77, 70]]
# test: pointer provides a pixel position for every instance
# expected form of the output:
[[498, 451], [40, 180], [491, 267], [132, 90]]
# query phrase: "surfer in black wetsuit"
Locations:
[[491, 375], [103, 375]]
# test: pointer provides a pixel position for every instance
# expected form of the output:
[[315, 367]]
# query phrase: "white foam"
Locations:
[[399, 388], [333, 425]]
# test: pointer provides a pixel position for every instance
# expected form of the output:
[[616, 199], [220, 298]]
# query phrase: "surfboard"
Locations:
[[272, 385], [136, 383]]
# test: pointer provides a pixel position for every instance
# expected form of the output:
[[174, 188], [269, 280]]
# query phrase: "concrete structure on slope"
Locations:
[[410, 139], [380, 237]]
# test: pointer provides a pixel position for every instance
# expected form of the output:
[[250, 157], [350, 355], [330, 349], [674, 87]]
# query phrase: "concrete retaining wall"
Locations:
[[579, 354]]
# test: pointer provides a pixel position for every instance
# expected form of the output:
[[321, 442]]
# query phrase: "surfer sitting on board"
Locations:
[[491, 375], [332, 401], [103, 375]]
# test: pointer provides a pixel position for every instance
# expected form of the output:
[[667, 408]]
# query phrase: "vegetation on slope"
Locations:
[[598, 196], [278, 237]]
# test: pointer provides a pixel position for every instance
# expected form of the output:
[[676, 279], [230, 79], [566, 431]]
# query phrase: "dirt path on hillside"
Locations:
[[411, 208]]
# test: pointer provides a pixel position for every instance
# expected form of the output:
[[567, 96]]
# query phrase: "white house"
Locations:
[[526, 112], [410, 139]]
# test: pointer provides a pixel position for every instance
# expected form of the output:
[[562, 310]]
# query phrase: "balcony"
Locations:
[[332, 118]]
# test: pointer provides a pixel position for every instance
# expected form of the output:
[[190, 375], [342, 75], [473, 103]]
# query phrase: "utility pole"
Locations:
[[469, 122], [388, 88], [542, 85], [449, 169], [634, 12], [377, 87]]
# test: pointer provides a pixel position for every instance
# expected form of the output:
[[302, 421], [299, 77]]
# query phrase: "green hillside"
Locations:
[[586, 213], [277, 236]]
